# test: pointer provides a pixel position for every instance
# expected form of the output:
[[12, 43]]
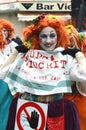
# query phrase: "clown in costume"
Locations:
[[7, 42], [46, 69], [7, 47], [8, 31], [79, 89]]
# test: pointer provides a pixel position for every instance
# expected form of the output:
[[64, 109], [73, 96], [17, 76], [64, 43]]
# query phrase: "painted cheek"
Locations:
[[40, 40], [56, 39]]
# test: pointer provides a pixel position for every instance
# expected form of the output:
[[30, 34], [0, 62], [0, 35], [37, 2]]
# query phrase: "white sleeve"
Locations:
[[13, 45], [81, 59], [4, 71], [4, 68], [11, 59], [78, 68], [81, 87]]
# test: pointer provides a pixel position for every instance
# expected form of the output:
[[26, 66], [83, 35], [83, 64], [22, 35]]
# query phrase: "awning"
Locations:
[[29, 17], [26, 17]]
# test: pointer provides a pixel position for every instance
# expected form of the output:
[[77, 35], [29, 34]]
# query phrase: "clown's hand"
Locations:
[[33, 120], [70, 51], [17, 40], [21, 49]]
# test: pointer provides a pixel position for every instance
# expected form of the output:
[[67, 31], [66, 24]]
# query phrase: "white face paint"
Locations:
[[5, 32], [48, 38]]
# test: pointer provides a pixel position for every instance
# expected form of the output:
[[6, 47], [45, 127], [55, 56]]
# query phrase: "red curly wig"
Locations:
[[8, 26], [77, 39], [32, 31], [3, 41]]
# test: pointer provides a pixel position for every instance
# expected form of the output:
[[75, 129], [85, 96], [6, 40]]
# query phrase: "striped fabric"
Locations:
[[40, 73]]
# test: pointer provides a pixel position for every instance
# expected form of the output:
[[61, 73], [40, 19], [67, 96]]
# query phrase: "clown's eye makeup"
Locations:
[[43, 36], [4, 31], [52, 35]]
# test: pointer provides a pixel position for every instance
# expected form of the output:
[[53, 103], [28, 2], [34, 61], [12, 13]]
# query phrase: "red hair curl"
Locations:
[[3, 41], [77, 39]]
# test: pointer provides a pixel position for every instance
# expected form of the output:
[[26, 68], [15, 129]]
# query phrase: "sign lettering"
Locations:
[[45, 7], [38, 6]]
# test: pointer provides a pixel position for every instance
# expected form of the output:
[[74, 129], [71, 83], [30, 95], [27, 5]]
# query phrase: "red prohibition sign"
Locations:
[[30, 104]]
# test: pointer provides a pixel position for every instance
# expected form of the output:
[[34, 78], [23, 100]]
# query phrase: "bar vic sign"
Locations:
[[48, 6]]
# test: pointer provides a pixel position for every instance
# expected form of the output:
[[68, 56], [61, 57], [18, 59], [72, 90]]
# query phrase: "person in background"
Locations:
[[78, 96], [7, 47], [7, 41], [7, 32]]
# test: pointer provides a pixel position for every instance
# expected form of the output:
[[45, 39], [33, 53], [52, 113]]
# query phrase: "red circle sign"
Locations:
[[30, 104]]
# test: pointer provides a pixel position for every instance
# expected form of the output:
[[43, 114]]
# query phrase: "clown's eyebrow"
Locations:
[[47, 33], [52, 31]]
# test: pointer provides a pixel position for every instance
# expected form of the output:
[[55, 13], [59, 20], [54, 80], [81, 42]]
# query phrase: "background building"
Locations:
[[78, 14], [20, 12]]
